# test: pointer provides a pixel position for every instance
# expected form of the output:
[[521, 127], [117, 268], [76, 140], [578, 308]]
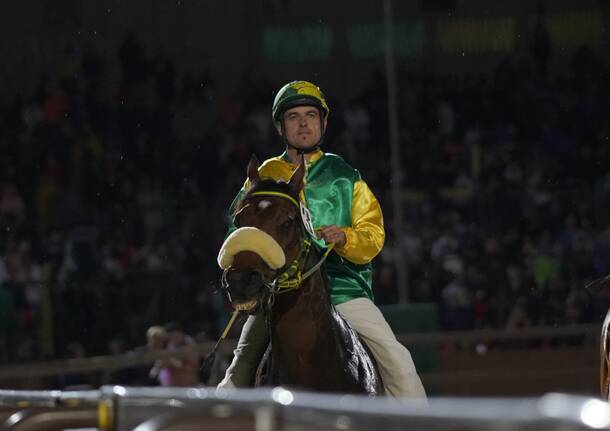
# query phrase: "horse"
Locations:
[[604, 363], [271, 267], [604, 341]]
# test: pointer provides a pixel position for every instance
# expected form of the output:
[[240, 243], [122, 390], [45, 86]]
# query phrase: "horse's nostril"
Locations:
[[243, 277], [243, 286]]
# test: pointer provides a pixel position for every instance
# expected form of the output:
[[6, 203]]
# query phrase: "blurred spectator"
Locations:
[[8, 321], [156, 340], [518, 317], [185, 370], [456, 306], [506, 196], [12, 207], [122, 376]]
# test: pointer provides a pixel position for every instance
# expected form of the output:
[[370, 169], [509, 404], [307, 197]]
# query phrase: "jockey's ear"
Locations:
[[296, 181], [253, 165]]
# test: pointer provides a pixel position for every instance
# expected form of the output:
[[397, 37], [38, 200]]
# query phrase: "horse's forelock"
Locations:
[[281, 205], [269, 185]]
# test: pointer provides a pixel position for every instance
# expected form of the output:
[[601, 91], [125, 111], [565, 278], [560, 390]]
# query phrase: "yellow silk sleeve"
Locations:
[[366, 236]]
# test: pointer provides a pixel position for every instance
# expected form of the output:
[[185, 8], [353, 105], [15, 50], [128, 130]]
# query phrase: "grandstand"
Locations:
[[118, 121]]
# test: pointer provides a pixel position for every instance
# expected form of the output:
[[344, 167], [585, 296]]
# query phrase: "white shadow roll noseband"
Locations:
[[254, 240]]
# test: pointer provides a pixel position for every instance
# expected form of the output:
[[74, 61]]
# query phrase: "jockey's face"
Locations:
[[302, 126]]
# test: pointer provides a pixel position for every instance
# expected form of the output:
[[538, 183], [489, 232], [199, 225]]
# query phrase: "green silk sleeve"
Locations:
[[366, 235]]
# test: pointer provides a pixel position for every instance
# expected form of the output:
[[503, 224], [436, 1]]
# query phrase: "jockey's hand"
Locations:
[[332, 235]]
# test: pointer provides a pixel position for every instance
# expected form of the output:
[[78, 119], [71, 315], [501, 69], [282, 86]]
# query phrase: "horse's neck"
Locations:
[[308, 348], [309, 300], [310, 297], [302, 319]]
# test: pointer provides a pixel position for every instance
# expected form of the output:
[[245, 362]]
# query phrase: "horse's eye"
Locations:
[[288, 224]]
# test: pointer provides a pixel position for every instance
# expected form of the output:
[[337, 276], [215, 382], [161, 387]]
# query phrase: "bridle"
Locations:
[[291, 276]]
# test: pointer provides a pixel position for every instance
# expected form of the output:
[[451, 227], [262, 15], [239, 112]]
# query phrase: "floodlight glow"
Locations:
[[596, 414], [282, 396]]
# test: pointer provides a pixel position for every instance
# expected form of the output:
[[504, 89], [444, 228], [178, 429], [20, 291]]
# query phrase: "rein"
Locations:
[[292, 278]]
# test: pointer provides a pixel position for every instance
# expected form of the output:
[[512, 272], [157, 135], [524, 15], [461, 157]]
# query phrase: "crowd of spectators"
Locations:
[[114, 189]]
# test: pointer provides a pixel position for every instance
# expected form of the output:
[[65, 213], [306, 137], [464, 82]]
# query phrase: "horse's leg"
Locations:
[[604, 363]]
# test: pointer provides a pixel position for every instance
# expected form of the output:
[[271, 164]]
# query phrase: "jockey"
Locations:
[[344, 212]]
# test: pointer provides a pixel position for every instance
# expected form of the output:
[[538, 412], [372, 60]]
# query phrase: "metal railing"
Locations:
[[278, 409]]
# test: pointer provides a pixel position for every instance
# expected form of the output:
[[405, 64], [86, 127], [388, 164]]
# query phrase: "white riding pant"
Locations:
[[393, 359]]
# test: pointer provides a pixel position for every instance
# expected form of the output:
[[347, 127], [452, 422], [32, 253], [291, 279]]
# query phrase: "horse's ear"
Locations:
[[253, 165], [296, 181]]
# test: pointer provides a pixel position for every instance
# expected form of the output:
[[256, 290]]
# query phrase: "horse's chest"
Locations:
[[297, 334]]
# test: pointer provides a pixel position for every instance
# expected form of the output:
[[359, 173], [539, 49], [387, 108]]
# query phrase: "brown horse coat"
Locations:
[[604, 360], [312, 346]]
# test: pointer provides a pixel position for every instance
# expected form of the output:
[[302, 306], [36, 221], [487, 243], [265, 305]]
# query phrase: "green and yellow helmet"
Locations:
[[298, 93]]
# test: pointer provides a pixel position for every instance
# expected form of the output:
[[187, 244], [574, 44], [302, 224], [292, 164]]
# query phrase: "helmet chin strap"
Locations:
[[304, 150]]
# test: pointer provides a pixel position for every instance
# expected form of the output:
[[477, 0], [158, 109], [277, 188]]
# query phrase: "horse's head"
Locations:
[[268, 238]]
